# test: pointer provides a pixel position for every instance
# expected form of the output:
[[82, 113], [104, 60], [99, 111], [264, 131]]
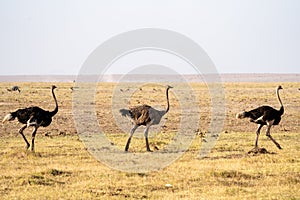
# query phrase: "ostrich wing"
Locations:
[[263, 114], [140, 114], [31, 113], [259, 112], [25, 114]]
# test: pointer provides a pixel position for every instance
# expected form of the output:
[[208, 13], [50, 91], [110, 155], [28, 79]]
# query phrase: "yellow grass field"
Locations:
[[62, 168]]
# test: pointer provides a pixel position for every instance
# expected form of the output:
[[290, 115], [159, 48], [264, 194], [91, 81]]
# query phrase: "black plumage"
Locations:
[[144, 115], [265, 115], [14, 88], [33, 116]]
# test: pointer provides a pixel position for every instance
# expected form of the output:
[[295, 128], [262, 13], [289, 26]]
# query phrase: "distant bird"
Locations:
[[73, 88], [33, 116], [14, 88], [144, 115], [264, 115]]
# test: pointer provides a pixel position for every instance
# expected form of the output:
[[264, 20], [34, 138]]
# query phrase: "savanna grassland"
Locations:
[[62, 168]]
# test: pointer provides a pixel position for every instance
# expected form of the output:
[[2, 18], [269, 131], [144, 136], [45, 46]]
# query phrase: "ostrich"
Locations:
[[144, 115], [33, 116], [14, 88], [264, 115]]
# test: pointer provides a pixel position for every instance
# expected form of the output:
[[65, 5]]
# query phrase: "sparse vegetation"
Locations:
[[61, 168]]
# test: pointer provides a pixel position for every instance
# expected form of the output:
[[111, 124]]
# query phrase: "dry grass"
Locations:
[[61, 168]]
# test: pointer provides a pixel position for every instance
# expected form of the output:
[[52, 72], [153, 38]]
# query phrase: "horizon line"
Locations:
[[228, 77], [188, 74]]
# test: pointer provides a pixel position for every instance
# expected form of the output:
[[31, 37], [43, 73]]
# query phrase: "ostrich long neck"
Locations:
[[279, 100], [168, 104], [56, 105]]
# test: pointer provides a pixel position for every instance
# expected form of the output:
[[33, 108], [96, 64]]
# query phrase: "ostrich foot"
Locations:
[[257, 150]]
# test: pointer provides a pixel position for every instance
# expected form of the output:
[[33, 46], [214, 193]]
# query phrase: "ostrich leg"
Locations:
[[21, 132], [257, 135], [129, 139], [256, 149], [269, 135], [33, 136], [146, 138]]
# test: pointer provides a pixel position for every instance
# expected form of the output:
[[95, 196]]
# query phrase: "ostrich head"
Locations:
[[169, 87], [53, 87], [279, 87]]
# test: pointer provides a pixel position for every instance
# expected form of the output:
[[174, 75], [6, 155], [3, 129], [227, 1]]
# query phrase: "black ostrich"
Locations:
[[14, 88], [264, 115], [144, 115], [33, 116]]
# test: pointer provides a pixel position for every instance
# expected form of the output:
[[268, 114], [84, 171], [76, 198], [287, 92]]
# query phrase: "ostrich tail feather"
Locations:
[[8, 117], [125, 112]]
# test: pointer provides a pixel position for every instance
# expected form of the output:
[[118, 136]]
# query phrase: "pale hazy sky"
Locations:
[[240, 36]]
